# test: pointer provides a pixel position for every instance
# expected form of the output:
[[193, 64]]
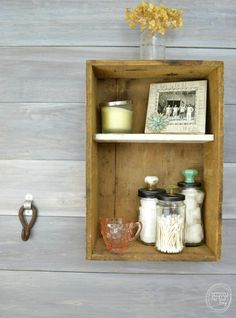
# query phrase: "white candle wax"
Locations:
[[116, 119]]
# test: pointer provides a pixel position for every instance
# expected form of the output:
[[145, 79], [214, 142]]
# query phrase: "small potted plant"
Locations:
[[154, 21]]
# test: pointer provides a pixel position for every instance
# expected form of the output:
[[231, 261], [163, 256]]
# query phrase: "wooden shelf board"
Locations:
[[140, 252], [154, 138]]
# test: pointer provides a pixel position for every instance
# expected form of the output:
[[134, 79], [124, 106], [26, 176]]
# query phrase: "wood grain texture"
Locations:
[[106, 189], [57, 295], [60, 22], [57, 74], [229, 205], [135, 161], [91, 159], [140, 252], [213, 160], [228, 56], [57, 131], [42, 131], [58, 244], [57, 186], [230, 133], [49, 74], [132, 161]]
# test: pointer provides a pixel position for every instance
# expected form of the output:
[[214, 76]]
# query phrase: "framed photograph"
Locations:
[[178, 107]]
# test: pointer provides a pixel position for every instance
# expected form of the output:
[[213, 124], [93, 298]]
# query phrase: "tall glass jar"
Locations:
[[117, 116], [170, 223], [148, 209], [152, 45], [194, 197]]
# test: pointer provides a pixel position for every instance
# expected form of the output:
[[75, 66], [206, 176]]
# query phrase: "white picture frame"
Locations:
[[180, 107]]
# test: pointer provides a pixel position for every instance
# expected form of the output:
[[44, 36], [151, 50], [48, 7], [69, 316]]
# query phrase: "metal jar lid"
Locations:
[[171, 197], [185, 185], [189, 181], [119, 103], [151, 194]]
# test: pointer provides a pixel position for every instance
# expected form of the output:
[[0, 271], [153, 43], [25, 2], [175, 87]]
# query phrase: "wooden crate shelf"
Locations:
[[140, 252], [118, 163]]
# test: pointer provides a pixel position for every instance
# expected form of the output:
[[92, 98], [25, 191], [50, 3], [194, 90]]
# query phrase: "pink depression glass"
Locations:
[[117, 233]]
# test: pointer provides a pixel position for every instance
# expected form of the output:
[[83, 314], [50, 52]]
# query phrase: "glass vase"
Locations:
[[152, 46]]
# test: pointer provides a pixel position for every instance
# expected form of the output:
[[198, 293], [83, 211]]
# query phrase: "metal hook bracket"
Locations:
[[28, 209]]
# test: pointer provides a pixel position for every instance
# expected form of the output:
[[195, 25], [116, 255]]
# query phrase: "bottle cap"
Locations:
[[171, 197], [172, 189], [151, 191], [189, 182]]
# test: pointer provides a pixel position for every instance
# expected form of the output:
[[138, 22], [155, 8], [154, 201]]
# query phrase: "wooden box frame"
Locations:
[[115, 168]]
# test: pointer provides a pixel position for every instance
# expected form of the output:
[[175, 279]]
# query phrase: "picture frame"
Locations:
[[177, 107]]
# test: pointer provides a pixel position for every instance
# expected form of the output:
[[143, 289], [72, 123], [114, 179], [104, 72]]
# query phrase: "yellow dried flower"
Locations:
[[154, 18]]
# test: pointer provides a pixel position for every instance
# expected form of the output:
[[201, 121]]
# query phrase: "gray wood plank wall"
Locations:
[[43, 48]]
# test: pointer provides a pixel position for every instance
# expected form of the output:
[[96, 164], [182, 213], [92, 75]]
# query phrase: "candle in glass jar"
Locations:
[[117, 117]]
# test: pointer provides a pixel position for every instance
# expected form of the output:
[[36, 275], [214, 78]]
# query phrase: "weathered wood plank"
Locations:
[[49, 74], [42, 131], [228, 56], [229, 205], [209, 23], [60, 295], [58, 74], [57, 131], [58, 187], [230, 133], [58, 244]]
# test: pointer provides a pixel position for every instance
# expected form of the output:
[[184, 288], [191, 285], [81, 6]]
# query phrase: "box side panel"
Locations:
[[91, 162], [135, 161], [106, 180], [213, 162]]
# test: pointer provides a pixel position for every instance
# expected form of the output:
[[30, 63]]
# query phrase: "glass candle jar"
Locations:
[[170, 223], [117, 117], [194, 197], [148, 209]]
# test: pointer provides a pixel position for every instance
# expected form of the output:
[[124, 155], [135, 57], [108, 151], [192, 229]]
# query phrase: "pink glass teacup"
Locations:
[[117, 233]]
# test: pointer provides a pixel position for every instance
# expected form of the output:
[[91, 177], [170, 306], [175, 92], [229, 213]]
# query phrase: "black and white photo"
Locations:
[[178, 107]]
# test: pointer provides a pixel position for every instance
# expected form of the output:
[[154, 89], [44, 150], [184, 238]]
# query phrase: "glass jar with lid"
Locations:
[[194, 197], [148, 209], [170, 223], [117, 116]]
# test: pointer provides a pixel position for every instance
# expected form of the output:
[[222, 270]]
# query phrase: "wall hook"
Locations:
[[28, 209]]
